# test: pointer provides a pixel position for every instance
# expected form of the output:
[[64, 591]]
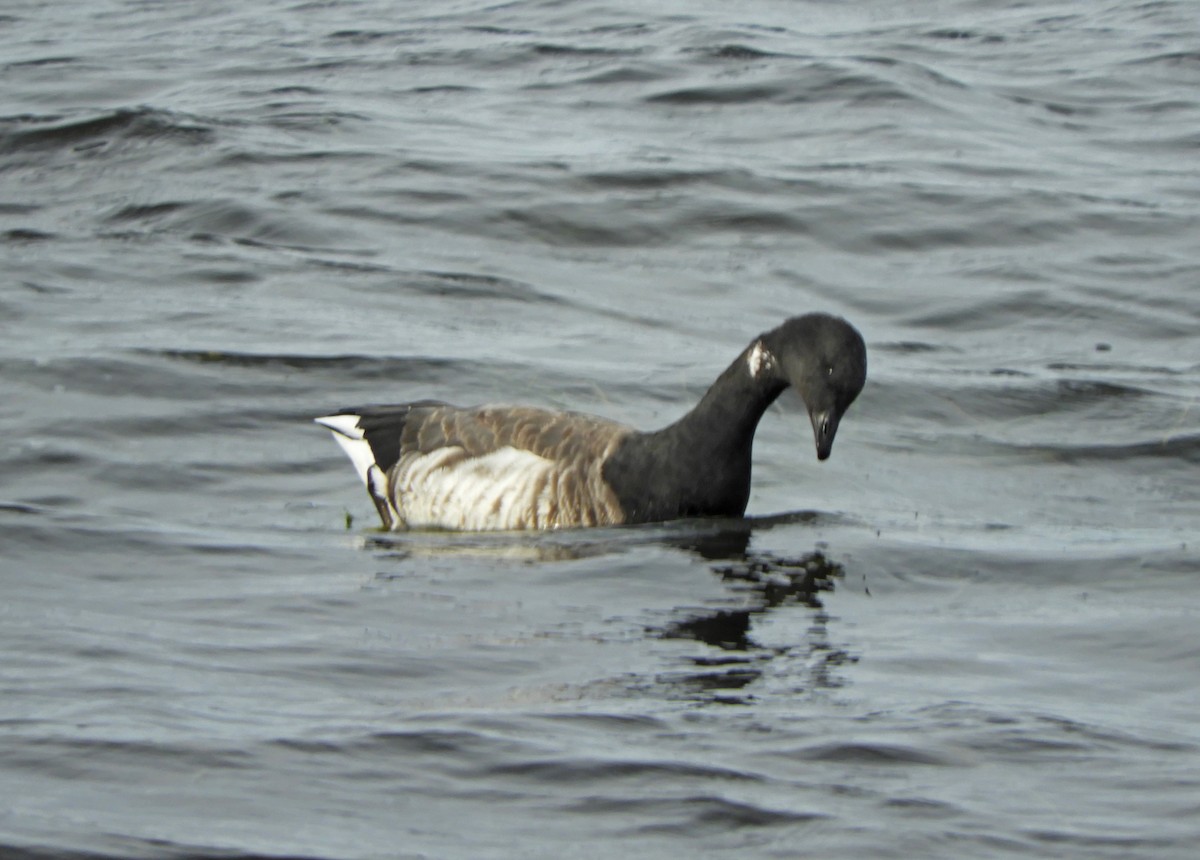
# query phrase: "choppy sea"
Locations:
[[973, 633]]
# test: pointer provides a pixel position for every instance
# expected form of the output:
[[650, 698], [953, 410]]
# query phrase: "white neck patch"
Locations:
[[760, 360]]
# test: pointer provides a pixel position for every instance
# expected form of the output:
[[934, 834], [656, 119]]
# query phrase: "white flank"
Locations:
[[760, 359], [349, 435], [506, 489]]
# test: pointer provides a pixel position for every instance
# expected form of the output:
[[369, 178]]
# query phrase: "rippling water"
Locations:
[[971, 633]]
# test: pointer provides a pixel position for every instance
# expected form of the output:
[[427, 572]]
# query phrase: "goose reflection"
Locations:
[[761, 582]]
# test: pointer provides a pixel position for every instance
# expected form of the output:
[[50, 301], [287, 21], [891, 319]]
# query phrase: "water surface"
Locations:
[[971, 633]]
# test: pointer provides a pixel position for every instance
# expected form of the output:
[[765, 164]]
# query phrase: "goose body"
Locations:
[[428, 464]]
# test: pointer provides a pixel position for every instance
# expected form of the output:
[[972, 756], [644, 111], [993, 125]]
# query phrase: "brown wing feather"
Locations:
[[573, 492], [558, 436]]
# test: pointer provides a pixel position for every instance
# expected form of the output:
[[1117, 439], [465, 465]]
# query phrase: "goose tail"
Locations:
[[348, 433], [353, 441]]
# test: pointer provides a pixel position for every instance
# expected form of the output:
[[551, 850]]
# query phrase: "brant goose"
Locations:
[[430, 464]]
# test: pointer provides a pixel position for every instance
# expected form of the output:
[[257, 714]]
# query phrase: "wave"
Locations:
[[129, 848], [67, 133], [1184, 448], [863, 752], [814, 82]]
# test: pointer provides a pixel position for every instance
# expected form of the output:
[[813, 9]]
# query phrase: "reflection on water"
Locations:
[[759, 582], [765, 583], [778, 581], [712, 539]]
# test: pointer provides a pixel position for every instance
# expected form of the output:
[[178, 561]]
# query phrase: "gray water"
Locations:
[[973, 632]]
